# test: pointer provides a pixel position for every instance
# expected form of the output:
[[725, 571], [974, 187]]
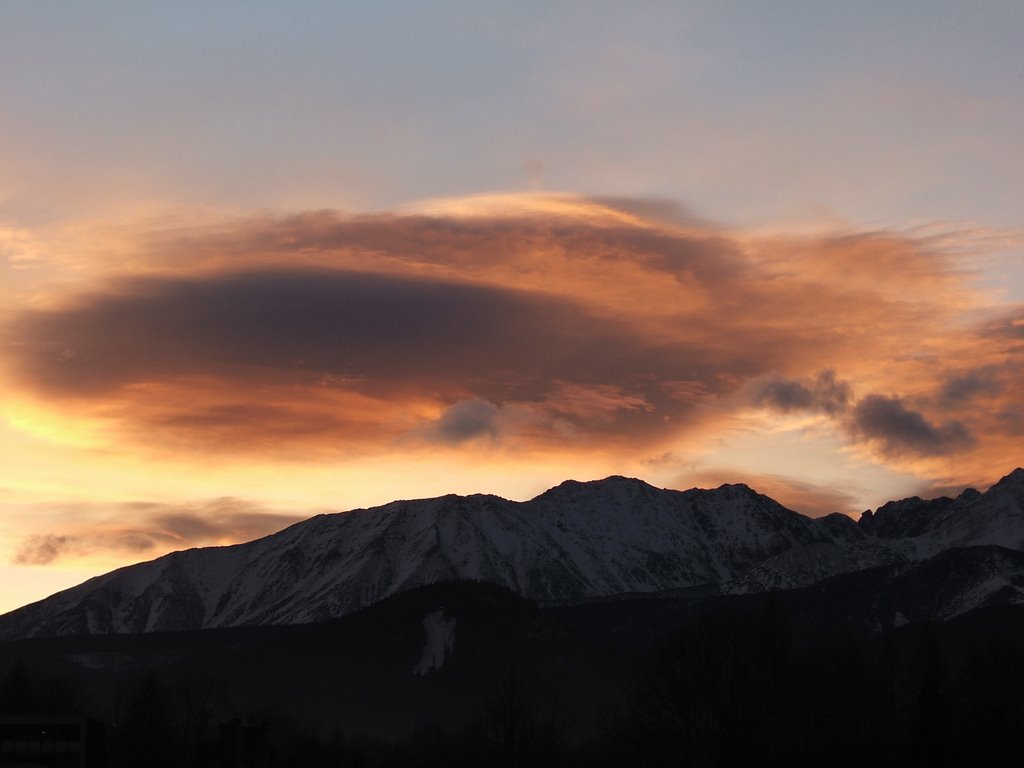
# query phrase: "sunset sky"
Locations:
[[264, 260]]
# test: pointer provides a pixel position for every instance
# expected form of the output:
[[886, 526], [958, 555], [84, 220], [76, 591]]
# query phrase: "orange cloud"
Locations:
[[529, 324]]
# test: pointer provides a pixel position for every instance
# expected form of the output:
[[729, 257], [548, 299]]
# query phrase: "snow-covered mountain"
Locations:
[[575, 541], [898, 534]]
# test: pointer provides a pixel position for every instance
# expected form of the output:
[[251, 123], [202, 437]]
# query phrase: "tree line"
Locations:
[[732, 688]]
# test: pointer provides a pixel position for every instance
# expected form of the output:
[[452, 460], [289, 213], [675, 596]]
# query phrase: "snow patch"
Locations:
[[440, 642]]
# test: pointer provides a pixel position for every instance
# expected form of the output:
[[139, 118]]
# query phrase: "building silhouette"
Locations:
[[51, 742]]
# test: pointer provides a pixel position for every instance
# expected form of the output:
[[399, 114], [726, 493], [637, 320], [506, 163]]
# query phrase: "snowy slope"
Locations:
[[995, 517], [899, 534], [578, 540]]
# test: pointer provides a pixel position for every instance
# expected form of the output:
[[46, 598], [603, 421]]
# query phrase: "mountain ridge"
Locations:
[[575, 541]]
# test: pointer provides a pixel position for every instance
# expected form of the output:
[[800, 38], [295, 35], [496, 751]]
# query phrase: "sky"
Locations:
[[261, 260]]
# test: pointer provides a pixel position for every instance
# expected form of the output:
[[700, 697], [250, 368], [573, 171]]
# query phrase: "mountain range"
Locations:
[[578, 542]]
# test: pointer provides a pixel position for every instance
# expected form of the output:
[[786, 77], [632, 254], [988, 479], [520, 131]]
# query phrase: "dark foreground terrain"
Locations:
[[797, 678]]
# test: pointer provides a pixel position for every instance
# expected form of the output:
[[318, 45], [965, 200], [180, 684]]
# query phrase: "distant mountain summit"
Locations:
[[577, 541], [994, 517]]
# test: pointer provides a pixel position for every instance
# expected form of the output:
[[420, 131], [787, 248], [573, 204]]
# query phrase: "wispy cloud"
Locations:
[[147, 528]]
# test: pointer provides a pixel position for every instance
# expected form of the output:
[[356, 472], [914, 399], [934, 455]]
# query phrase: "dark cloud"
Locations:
[[467, 419], [785, 395], [966, 387], [824, 394], [252, 336], [885, 420], [900, 430], [43, 549], [146, 527], [370, 329]]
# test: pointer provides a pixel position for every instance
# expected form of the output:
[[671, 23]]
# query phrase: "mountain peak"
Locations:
[[742, 487], [1013, 480], [617, 480], [608, 485]]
